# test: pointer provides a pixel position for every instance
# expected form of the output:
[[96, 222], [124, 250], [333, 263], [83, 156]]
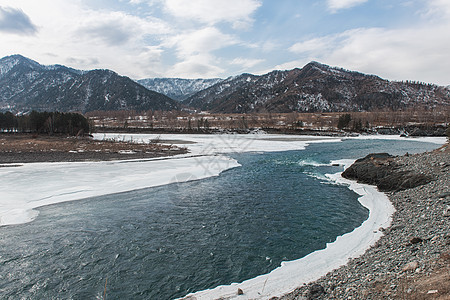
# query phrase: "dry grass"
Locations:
[[27, 143]]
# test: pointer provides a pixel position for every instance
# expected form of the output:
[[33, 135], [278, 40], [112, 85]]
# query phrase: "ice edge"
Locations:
[[292, 274], [79, 180]]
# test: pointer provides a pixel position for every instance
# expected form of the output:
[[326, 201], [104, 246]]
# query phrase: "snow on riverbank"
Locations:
[[26, 187], [29, 186], [209, 144]]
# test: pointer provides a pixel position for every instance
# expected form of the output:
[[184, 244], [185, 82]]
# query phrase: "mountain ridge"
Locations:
[[27, 85], [177, 88], [315, 88]]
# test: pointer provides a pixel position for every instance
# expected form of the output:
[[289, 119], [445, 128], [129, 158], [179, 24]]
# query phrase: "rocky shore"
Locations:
[[412, 259], [25, 148]]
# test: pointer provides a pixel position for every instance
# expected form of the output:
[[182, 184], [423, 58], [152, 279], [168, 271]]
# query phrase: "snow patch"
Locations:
[[29, 186]]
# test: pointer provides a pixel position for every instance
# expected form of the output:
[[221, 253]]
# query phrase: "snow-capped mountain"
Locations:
[[26, 85], [315, 88], [177, 88]]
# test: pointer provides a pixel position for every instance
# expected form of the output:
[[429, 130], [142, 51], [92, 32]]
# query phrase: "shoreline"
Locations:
[[336, 254], [298, 294], [23, 190], [26, 148], [249, 289], [412, 259]]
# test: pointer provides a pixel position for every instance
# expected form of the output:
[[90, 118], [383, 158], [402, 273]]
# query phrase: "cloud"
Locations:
[[15, 21], [335, 5], [197, 66], [118, 28], [438, 9], [246, 63], [84, 37], [413, 53], [147, 62], [419, 53], [236, 12], [313, 46], [201, 41], [82, 61], [112, 34], [194, 50]]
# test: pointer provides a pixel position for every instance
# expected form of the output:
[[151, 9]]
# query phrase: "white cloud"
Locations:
[[335, 5], [117, 28], [315, 46], [197, 66], [236, 12], [438, 9], [419, 53], [288, 65], [194, 50], [201, 41], [188, 43], [269, 46], [74, 34], [246, 63]]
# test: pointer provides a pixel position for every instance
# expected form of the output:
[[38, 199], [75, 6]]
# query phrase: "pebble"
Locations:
[[418, 237], [447, 211], [415, 240]]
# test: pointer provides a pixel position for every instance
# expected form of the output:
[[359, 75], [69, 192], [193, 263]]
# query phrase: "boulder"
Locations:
[[381, 170], [412, 266], [315, 291]]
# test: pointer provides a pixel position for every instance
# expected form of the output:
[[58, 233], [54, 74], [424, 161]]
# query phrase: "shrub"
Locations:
[[343, 121]]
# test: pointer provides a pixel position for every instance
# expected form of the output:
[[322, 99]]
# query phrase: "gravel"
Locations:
[[412, 259]]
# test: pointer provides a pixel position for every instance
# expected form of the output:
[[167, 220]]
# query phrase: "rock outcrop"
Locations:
[[381, 170]]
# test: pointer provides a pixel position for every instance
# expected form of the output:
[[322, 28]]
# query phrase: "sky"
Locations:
[[394, 39]]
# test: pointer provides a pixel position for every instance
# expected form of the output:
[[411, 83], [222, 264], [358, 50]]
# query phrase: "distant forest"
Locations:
[[44, 122]]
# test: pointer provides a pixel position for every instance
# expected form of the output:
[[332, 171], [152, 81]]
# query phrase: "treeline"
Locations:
[[45, 122]]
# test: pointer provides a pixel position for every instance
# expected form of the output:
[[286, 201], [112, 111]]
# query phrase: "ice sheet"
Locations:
[[29, 186], [208, 144]]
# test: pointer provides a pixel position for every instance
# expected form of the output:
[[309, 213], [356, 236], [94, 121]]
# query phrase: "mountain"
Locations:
[[26, 85], [315, 88], [177, 88]]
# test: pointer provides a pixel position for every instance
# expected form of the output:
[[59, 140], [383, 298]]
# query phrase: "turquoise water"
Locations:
[[164, 242]]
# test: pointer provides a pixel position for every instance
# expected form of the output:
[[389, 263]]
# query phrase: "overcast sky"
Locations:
[[395, 39]]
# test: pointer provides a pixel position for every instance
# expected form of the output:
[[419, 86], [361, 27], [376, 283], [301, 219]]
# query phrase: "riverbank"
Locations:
[[27, 148], [408, 130], [412, 259], [80, 180]]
